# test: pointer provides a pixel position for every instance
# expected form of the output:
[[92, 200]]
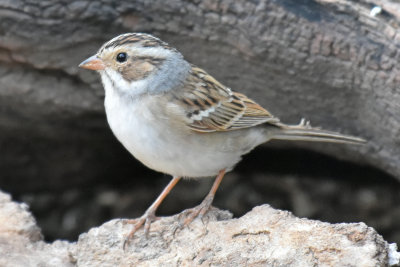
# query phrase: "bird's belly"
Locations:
[[172, 155], [164, 149]]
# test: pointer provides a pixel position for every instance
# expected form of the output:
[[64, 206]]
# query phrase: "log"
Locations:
[[328, 61]]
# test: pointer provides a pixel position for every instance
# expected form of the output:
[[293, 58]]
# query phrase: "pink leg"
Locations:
[[204, 206], [149, 216]]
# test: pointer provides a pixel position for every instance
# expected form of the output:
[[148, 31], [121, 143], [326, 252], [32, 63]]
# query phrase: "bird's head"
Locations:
[[137, 63]]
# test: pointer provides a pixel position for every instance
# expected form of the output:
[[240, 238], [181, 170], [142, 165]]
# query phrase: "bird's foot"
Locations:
[[147, 218], [196, 212]]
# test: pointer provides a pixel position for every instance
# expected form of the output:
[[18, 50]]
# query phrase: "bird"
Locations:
[[177, 119]]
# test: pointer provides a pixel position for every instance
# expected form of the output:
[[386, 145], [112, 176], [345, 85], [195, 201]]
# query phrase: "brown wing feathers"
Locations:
[[211, 106]]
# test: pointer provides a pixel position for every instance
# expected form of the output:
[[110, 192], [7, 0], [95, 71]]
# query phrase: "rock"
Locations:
[[262, 237], [21, 241]]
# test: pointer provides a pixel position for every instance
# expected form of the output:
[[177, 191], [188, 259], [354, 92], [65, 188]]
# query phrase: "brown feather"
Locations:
[[211, 106]]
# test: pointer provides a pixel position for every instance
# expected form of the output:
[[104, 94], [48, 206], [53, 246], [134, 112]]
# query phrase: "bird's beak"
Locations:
[[93, 63]]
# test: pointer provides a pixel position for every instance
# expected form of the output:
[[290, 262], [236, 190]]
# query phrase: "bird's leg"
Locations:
[[204, 206], [149, 216]]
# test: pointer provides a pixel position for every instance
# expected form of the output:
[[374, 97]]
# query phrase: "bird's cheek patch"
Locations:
[[139, 68]]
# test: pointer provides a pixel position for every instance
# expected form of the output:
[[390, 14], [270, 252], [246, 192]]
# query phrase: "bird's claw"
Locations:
[[196, 212], [145, 220]]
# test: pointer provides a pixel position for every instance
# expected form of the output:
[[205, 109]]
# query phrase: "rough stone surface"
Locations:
[[262, 237], [21, 241]]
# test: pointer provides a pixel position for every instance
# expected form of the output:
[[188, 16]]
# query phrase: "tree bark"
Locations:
[[328, 61]]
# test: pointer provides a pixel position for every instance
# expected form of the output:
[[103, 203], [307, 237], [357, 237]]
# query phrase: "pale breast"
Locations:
[[136, 128], [160, 145]]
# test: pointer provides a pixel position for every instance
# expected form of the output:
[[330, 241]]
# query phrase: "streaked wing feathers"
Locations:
[[211, 106]]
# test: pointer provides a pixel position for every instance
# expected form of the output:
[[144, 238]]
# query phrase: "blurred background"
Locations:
[[333, 62]]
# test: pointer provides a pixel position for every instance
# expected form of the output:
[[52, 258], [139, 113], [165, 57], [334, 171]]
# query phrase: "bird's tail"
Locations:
[[304, 132]]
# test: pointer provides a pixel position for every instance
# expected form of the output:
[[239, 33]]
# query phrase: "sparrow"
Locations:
[[177, 119]]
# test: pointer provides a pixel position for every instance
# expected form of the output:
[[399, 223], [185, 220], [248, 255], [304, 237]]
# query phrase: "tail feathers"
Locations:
[[304, 132]]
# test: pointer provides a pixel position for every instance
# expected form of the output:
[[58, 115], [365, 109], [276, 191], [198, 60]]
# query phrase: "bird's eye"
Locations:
[[121, 57]]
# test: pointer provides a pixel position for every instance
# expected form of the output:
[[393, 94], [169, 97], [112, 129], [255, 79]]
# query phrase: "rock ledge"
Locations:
[[262, 237]]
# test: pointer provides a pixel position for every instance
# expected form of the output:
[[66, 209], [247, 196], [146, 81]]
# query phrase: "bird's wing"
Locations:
[[210, 106]]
